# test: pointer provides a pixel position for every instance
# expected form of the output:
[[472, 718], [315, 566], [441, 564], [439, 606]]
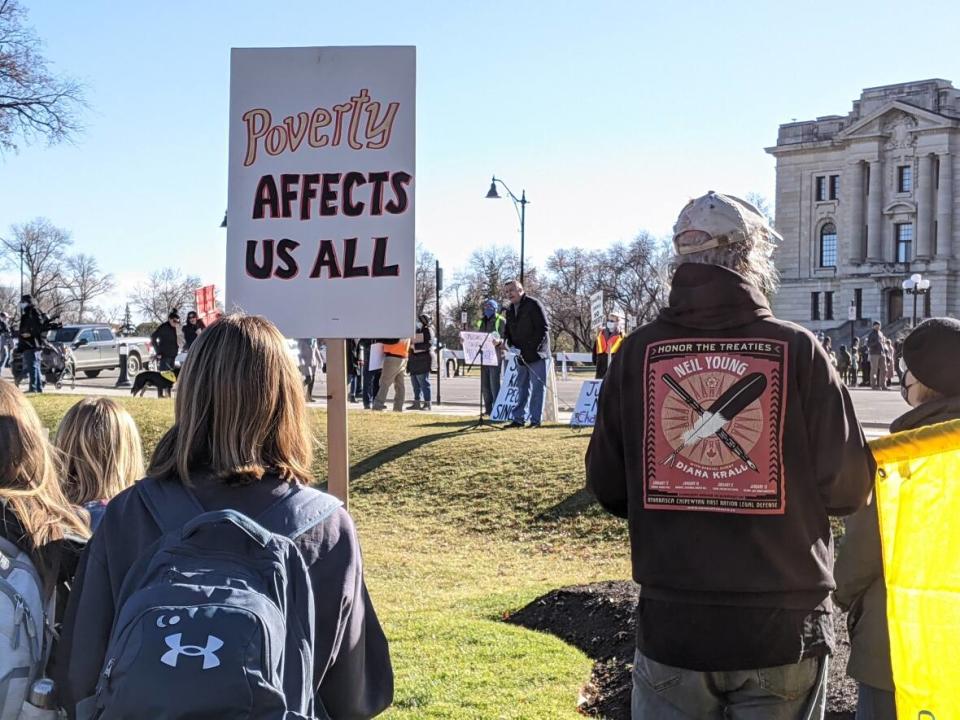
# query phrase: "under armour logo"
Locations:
[[209, 653]]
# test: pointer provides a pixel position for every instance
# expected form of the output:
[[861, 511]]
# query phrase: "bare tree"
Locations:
[[34, 102], [44, 248], [634, 276], [572, 276], [9, 300], [762, 204], [166, 290], [426, 282], [84, 282]]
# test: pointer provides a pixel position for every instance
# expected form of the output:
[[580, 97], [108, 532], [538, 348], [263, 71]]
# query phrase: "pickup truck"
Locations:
[[96, 348]]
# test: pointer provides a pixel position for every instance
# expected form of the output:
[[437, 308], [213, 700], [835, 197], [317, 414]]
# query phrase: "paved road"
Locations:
[[461, 396]]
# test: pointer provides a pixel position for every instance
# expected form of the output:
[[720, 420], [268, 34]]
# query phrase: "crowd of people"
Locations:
[[726, 437], [117, 547]]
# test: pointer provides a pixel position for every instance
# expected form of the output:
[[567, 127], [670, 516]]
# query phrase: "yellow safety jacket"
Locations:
[[918, 500]]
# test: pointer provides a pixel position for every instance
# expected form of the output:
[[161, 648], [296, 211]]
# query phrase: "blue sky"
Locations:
[[610, 114]]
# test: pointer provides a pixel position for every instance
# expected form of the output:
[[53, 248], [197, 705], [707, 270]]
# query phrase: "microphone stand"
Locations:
[[481, 422]]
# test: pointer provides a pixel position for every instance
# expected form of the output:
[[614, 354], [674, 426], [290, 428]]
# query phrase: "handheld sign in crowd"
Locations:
[[478, 349], [320, 210], [585, 413], [596, 309], [320, 214]]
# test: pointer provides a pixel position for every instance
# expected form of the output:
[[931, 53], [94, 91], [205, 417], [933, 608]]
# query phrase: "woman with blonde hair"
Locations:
[[101, 453], [229, 477], [34, 513]]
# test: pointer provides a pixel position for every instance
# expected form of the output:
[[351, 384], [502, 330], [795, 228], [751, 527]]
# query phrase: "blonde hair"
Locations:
[[29, 478], [100, 449], [752, 258], [239, 410]]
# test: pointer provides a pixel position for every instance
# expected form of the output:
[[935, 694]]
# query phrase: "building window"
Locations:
[[828, 305], [904, 178], [828, 245], [866, 180], [858, 302], [814, 306], [904, 242], [821, 188], [834, 187]]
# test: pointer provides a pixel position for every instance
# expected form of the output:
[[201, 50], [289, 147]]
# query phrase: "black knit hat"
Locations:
[[932, 353]]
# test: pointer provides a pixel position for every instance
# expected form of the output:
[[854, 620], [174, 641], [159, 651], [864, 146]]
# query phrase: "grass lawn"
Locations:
[[458, 529]]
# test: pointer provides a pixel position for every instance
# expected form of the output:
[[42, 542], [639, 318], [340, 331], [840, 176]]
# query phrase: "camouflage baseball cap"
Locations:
[[716, 220]]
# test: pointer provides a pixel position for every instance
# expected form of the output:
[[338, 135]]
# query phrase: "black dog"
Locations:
[[147, 378]]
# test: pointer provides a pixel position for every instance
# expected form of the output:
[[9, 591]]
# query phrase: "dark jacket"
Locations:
[[528, 329], [859, 570], [190, 333], [33, 324], [706, 530], [875, 343], [352, 669], [4, 328], [164, 340], [419, 360]]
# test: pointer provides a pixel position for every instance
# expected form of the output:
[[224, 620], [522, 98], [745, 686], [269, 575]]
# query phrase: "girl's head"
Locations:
[[101, 450], [30, 476], [239, 410]]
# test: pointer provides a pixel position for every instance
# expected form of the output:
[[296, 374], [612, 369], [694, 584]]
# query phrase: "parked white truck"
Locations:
[[96, 348]]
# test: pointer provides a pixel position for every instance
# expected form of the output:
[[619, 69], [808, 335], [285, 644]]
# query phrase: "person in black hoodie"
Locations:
[[931, 386], [192, 329], [33, 324], [233, 449], [165, 342], [726, 438], [419, 364]]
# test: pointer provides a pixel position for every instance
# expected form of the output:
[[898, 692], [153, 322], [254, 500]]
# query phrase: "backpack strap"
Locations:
[[170, 502], [298, 511]]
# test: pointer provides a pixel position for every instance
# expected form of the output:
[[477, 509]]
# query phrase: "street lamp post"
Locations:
[[916, 285], [522, 201], [21, 269]]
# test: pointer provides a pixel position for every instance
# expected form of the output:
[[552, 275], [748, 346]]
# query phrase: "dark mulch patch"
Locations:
[[598, 619]]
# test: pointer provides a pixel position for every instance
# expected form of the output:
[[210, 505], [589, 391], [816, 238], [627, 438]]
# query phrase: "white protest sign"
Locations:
[[509, 394], [376, 357], [852, 312], [479, 343], [320, 218], [585, 413], [596, 309]]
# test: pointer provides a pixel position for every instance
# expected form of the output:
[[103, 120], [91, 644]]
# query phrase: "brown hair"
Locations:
[[29, 477], [100, 448], [239, 411]]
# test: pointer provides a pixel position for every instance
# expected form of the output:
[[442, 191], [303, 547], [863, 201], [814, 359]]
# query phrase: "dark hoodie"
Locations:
[[352, 669], [860, 586], [729, 527]]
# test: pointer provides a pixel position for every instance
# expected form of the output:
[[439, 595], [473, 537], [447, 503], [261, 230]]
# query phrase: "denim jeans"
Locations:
[[31, 363], [787, 692], [530, 383], [875, 704], [489, 386], [371, 386], [421, 387]]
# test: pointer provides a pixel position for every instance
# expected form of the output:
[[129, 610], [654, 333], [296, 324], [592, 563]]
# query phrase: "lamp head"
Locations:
[[908, 284], [492, 193], [916, 277]]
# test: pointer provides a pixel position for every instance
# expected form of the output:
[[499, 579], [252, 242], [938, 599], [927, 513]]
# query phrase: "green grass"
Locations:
[[458, 529]]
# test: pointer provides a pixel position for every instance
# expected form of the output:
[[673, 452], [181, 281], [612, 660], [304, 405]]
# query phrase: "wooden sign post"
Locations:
[[338, 449]]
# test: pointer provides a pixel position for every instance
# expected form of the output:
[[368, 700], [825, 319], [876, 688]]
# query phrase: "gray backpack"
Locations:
[[216, 620], [23, 649]]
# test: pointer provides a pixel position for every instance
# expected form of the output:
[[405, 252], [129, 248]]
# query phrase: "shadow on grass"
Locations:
[[393, 452], [576, 504]]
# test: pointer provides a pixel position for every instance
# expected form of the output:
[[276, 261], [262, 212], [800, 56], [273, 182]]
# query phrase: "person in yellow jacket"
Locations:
[[395, 353], [608, 343], [931, 386]]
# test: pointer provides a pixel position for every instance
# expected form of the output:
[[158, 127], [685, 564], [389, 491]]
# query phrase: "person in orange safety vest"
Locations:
[[608, 342]]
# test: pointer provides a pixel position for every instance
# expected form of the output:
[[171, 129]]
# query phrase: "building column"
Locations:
[[945, 207], [855, 229], [925, 183], [875, 213]]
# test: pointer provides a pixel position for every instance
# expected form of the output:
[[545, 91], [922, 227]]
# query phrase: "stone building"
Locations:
[[864, 201]]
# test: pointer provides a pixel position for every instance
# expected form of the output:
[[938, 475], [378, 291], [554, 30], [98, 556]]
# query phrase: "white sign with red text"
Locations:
[[320, 216]]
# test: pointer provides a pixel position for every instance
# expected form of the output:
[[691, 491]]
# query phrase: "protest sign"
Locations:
[[585, 413], [320, 216], [596, 309], [205, 299], [479, 343], [376, 357], [510, 393]]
